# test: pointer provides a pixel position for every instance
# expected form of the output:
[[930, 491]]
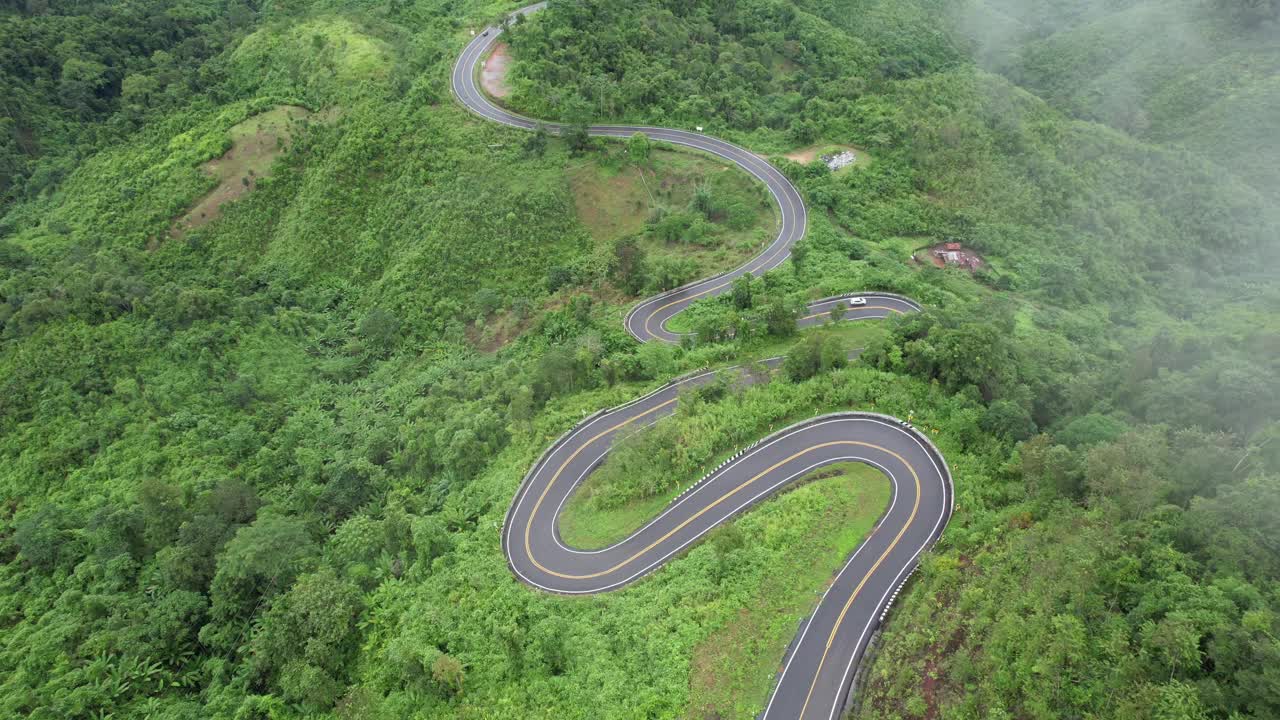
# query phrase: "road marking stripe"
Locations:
[[915, 508], [853, 309], [543, 496], [529, 524]]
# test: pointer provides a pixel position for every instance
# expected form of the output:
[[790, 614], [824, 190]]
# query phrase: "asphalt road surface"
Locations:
[[815, 677]]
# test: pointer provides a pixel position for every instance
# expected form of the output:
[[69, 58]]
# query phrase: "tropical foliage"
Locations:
[[256, 469]]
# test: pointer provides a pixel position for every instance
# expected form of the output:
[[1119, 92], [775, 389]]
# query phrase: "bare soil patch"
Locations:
[[493, 78], [804, 156], [255, 145]]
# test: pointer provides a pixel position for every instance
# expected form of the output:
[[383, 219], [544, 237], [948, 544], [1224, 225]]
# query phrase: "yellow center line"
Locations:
[[854, 596], [527, 550], [695, 516], [649, 318], [648, 328], [915, 508]]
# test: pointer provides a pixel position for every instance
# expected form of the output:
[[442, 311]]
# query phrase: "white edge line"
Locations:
[[851, 416]]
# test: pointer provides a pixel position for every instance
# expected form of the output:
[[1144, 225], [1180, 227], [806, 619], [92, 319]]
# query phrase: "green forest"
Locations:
[[253, 466]]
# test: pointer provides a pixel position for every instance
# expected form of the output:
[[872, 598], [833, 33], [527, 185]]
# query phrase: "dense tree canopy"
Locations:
[[257, 469]]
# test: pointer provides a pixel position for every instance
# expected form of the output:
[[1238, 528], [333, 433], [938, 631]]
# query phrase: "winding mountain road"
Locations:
[[817, 672]]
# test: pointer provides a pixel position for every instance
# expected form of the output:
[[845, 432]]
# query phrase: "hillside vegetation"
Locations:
[[1125, 302], [257, 469], [1201, 74]]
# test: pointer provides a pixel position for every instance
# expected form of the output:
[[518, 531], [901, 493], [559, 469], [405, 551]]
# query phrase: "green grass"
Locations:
[[334, 45], [734, 667], [615, 199], [680, 323], [855, 334], [584, 526], [903, 247]]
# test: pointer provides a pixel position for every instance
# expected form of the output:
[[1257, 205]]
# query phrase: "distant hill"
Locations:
[[1201, 74]]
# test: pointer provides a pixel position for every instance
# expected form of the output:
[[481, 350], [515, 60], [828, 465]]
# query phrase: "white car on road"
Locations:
[[855, 302]]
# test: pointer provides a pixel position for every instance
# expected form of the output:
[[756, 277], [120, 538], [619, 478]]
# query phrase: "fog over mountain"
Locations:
[[1200, 74]]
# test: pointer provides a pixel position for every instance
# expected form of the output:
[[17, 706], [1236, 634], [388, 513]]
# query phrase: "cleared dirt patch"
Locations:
[[803, 155], [255, 145], [493, 78]]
